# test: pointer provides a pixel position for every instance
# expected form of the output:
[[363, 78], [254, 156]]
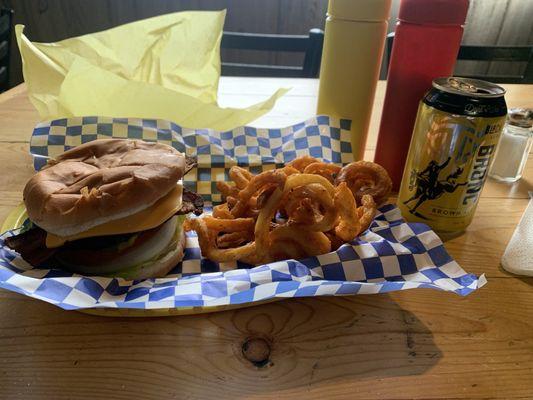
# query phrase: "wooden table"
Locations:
[[421, 344]]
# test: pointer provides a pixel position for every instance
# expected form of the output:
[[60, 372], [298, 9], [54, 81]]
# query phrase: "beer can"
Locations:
[[456, 132]]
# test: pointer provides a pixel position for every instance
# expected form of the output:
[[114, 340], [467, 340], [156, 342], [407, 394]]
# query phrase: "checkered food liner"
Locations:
[[391, 255]]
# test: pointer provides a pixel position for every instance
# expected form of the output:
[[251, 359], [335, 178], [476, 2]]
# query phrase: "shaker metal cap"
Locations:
[[521, 117]]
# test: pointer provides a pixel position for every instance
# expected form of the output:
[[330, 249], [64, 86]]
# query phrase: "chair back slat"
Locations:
[[310, 45], [528, 73], [3, 49], [237, 69], [264, 42], [5, 36], [313, 55], [5, 24], [3, 76], [495, 53]]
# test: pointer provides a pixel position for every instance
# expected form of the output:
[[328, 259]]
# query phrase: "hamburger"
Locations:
[[112, 207]]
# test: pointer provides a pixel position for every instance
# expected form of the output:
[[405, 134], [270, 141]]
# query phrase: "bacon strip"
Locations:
[[31, 245], [191, 202]]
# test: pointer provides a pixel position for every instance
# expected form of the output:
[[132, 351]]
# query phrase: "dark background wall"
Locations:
[[489, 22]]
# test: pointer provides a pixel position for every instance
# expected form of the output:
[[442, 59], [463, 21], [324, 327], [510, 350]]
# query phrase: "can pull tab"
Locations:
[[467, 87], [463, 86]]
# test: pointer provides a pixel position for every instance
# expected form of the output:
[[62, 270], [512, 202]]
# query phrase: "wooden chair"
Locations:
[[490, 53], [310, 44], [6, 16]]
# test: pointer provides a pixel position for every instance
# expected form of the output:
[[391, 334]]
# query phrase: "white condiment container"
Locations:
[[515, 144]]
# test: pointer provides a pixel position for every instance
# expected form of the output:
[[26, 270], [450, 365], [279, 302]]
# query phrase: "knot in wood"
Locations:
[[257, 351]]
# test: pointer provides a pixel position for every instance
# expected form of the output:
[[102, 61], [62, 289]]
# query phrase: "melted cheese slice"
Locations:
[[146, 219]]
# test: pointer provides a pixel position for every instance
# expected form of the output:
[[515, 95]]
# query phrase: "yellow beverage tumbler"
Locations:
[[353, 48]]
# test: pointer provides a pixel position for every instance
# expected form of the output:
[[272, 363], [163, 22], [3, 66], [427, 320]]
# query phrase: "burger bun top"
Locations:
[[101, 181]]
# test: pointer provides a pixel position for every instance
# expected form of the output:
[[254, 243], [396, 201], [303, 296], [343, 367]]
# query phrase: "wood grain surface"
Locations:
[[419, 344]]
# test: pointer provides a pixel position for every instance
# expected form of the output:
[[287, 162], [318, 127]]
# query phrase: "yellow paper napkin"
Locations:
[[164, 67]]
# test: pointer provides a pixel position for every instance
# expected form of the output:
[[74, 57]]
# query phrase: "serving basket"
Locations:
[[391, 255]]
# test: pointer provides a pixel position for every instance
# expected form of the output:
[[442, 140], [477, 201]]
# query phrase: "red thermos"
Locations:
[[426, 42]]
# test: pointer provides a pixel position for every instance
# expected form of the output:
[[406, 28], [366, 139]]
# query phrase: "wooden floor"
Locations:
[[420, 344]]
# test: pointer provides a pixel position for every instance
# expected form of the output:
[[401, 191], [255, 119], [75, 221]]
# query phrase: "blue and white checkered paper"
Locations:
[[392, 255]]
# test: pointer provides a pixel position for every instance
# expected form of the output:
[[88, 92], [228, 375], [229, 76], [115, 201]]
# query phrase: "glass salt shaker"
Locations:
[[515, 144]]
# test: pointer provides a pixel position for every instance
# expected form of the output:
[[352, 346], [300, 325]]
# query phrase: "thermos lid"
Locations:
[[360, 10], [438, 12]]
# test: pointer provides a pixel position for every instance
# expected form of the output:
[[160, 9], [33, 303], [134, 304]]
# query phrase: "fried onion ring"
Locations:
[[336, 241], [301, 162], [231, 201], [207, 241], [187, 225], [255, 185], [222, 211], [284, 250], [262, 225], [227, 190], [240, 176], [288, 170], [306, 179], [352, 221], [366, 212], [229, 225], [262, 198], [311, 243], [365, 177], [304, 209], [234, 239], [304, 203], [299, 208], [349, 225], [328, 171]]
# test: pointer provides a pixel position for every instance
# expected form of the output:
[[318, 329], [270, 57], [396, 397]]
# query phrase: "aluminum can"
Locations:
[[457, 129]]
